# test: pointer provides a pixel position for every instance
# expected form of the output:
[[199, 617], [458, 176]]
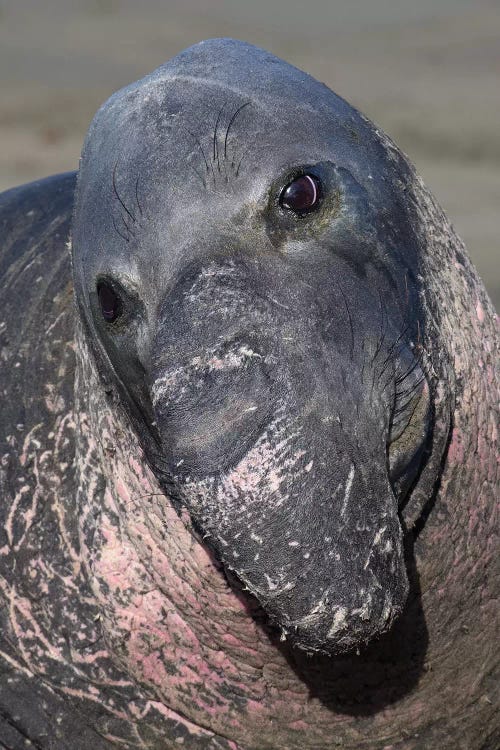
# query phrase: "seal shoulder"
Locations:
[[35, 287], [33, 220], [36, 318], [36, 450]]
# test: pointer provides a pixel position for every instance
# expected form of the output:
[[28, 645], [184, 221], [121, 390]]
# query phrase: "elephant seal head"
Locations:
[[246, 270]]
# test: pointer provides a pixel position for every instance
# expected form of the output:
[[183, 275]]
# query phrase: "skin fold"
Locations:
[[249, 465]]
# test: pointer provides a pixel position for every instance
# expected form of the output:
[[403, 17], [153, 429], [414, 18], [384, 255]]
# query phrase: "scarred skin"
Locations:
[[125, 618]]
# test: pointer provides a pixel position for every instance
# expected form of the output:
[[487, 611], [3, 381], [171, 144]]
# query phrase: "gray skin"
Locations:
[[241, 519]]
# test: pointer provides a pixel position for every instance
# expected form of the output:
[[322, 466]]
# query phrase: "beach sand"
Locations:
[[428, 73]]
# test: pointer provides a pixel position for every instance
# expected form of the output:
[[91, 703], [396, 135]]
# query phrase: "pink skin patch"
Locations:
[[173, 624], [480, 312]]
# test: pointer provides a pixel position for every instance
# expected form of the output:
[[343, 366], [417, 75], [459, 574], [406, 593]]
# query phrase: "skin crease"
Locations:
[[126, 618]]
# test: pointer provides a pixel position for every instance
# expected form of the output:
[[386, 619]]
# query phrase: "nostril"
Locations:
[[231, 357], [213, 408]]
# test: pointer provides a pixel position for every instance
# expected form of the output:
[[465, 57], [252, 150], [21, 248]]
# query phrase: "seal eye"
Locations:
[[301, 195], [111, 305]]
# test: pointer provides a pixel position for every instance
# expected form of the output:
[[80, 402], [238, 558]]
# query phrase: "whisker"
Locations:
[[364, 360], [127, 239], [411, 389], [396, 342], [200, 177], [137, 196], [216, 143], [231, 121], [129, 229], [158, 456], [416, 363], [196, 140], [348, 316], [381, 338], [401, 408], [240, 162], [115, 190], [383, 327]]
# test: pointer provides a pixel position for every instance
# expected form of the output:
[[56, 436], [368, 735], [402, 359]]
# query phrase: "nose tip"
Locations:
[[336, 628], [341, 602]]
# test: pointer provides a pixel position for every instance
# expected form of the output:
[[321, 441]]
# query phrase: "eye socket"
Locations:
[[301, 195], [109, 301]]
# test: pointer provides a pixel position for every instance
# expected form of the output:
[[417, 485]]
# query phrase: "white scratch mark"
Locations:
[[347, 490], [339, 622]]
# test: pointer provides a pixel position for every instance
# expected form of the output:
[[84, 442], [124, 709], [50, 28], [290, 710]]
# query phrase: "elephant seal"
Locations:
[[248, 479]]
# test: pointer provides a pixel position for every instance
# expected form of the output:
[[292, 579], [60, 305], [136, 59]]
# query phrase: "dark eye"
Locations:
[[301, 195], [110, 302]]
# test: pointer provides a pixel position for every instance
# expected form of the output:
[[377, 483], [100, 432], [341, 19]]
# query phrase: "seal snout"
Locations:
[[292, 493]]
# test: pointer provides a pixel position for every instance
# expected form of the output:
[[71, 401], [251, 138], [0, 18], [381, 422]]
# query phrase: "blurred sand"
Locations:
[[428, 72]]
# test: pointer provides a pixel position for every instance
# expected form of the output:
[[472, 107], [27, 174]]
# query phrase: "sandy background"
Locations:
[[427, 71]]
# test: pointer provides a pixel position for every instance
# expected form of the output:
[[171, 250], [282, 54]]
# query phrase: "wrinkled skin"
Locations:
[[263, 518]]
